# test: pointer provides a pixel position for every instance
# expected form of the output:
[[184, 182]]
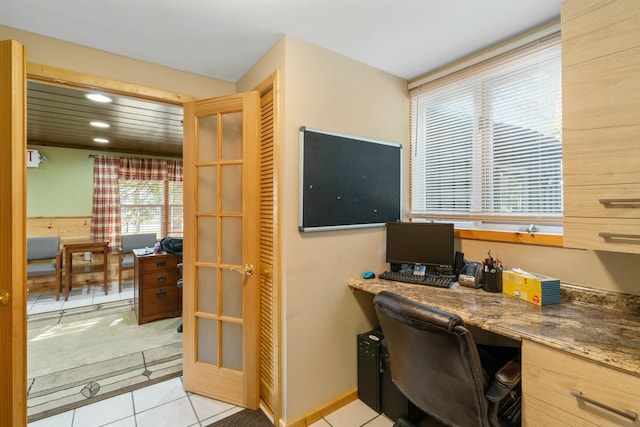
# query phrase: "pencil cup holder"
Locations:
[[492, 281]]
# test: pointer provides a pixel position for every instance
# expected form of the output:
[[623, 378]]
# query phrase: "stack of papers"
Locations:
[[143, 251]]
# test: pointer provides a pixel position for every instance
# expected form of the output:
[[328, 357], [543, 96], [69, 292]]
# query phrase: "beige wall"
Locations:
[[329, 92], [73, 57], [321, 317]]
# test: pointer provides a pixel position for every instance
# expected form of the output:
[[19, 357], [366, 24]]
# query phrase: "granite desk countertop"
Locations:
[[604, 335]]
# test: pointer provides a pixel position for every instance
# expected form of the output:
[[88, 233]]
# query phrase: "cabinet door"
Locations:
[[601, 124]]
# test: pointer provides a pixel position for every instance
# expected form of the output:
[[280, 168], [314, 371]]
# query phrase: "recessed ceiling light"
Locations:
[[101, 140], [97, 97], [100, 124]]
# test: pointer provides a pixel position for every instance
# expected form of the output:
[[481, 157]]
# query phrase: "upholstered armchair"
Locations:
[[44, 260]]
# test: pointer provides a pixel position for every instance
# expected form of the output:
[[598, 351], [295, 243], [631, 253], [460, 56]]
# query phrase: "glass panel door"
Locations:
[[221, 220]]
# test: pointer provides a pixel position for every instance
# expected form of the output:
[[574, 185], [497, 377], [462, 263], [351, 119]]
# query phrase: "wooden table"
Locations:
[[85, 246]]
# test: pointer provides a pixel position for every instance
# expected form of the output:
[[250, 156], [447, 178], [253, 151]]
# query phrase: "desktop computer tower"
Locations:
[[375, 387], [369, 366]]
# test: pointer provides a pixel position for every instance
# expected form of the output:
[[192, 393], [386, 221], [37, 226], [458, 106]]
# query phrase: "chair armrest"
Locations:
[[505, 380]]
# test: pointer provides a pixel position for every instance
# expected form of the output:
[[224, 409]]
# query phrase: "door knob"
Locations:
[[246, 270], [4, 298]]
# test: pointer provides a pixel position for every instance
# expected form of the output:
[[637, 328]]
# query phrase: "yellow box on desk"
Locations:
[[534, 288]]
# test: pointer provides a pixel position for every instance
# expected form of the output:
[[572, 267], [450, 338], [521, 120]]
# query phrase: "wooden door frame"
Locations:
[[13, 230], [59, 76]]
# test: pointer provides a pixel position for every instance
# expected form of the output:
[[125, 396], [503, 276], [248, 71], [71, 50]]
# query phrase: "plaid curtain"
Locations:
[[150, 169], [143, 169], [174, 170], [105, 218], [107, 170]]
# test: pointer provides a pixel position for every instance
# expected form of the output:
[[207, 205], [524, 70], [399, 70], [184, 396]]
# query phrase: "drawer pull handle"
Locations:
[[161, 293], [626, 203], [626, 413], [161, 264], [161, 279], [609, 236]]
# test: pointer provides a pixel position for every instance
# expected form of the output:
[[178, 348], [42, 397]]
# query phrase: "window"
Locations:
[[151, 206], [486, 141]]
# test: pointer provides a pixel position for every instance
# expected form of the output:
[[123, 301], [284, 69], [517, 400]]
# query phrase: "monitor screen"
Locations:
[[427, 243]]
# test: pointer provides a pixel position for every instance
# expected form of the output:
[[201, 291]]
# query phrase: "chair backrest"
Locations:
[[129, 242], [42, 248], [434, 360]]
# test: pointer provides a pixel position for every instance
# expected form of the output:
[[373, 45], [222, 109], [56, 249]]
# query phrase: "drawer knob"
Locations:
[[161, 279], [161, 293], [626, 413], [161, 264]]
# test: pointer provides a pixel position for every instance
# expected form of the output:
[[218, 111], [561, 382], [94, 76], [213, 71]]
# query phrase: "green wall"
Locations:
[[61, 186]]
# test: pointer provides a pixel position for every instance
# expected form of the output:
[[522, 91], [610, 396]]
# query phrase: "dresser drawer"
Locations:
[[164, 300], [158, 262], [550, 376], [159, 278]]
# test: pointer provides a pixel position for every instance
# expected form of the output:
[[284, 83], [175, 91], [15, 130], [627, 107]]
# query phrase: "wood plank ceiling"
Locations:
[[60, 116]]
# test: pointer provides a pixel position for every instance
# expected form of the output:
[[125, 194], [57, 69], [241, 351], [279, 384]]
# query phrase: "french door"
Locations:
[[13, 316], [221, 248]]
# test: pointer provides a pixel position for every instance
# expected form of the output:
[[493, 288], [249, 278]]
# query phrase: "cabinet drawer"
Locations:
[[159, 278], [548, 378], [162, 300], [603, 201], [621, 235], [157, 262]]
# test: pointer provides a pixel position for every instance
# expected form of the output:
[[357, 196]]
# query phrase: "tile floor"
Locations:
[[42, 300], [165, 403]]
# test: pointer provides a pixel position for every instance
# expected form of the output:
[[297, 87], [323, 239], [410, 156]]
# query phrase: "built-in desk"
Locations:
[[578, 342]]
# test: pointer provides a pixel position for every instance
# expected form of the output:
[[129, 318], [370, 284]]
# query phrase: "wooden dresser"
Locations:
[[156, 293]]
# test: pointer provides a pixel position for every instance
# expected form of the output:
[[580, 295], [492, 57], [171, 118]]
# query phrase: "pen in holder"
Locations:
[[492, 280]]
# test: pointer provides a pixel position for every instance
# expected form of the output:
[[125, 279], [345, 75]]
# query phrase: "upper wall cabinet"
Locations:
[[601, 124]]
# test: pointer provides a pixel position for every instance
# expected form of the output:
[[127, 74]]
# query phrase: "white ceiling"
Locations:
[[224, 38]]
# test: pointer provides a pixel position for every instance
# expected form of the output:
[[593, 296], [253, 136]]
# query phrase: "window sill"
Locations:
[[511, 237]]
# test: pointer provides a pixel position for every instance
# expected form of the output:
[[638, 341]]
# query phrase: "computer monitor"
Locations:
[[425, 243]]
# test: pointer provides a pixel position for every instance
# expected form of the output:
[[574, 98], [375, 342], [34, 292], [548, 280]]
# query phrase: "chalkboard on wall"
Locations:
[[348, 182]]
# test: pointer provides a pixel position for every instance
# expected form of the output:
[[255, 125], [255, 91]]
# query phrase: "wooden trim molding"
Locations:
[[324, 410], [511, 237], [59, 76]]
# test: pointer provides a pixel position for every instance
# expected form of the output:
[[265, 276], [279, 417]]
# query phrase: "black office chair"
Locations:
[[436, 364]]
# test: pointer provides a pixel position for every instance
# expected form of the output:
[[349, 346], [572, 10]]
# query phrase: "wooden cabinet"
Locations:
[[601, 124], [156, 292], [552, 378]]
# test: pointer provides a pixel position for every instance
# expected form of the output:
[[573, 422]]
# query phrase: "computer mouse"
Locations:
[[368, 275]]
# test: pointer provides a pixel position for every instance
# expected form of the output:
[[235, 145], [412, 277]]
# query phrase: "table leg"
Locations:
[[105, 258], [67, 271]]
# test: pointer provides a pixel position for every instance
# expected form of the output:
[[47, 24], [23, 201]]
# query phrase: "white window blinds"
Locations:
[[486, 141]]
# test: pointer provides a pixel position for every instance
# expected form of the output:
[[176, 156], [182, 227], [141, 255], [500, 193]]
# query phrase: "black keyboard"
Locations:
[[438, 281]]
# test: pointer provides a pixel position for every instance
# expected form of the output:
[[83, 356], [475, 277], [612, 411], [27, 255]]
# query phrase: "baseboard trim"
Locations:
[[320, 412]]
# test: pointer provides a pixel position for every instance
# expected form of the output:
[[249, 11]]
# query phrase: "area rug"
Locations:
[[245, 418], [80, 356]]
